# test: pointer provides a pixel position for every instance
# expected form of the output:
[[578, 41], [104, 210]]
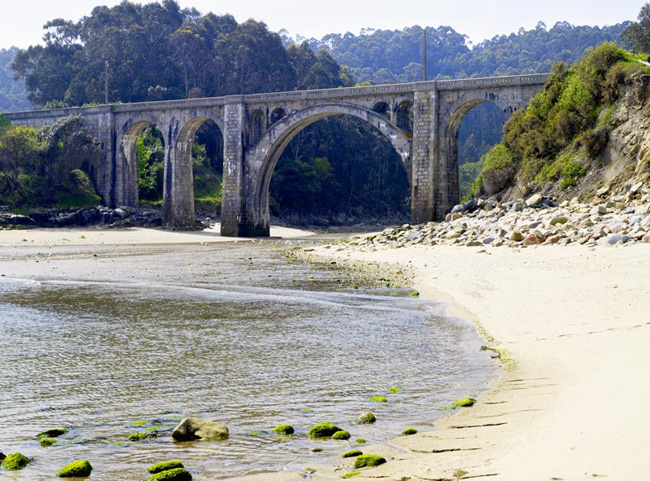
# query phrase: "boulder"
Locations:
[[367, 418], [190, 429], [323, 430], [534, 238], [368, 460], [166, 466], [15, 462], [76, 469], [534, 199]]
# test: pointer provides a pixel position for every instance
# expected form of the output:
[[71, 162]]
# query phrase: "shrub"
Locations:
[[500, 168]]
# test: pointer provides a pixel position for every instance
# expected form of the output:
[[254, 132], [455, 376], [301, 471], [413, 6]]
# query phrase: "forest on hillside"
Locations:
[[160, 51]]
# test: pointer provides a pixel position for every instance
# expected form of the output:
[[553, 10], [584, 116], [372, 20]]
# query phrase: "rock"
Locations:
[[141, 436], [516, 236], [352, 454], [535, 238], [559, 220], [15, 462], [535, 199], [646, 238], [618, 238], [368, 460], [46, 442], [636, 188], [195, 428], [473, 243], [367, 418], [464, 403], [52, 433], [2, 457], [177, 474], [323, 430], [283, 429], [409, 432], [603, 192], [598, 210], [15, 219], [488, 240], [166, 466], [518, 206], [378, 399], [76, 469], [341, 435]]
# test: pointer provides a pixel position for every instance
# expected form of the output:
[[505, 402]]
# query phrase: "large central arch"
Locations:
[[264, 156]]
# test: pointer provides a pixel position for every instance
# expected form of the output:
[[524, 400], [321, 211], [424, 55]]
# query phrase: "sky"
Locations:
[[21, 22]]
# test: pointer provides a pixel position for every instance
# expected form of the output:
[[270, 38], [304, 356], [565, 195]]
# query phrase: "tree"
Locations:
[[19, 151], [637, 35]]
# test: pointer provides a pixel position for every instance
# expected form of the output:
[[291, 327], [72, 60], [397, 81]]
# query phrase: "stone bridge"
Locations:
[[421, 120]]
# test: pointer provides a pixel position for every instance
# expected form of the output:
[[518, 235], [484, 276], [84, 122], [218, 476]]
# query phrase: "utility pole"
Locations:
[[106, 82], [424, 50]]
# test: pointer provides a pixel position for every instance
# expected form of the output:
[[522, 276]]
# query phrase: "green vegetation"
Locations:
[[396, 390], [15, 462], [341, 435], [77, 469], [352, 454], [409, 432], [368, 460], [637, 35], [350, 475], [283, 429], [46, 442], [137, 424], [323, 430], [48, 167], [160, 467], [544, 141], [361, 441]]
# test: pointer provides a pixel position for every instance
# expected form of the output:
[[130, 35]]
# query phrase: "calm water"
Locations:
[[254, 343]]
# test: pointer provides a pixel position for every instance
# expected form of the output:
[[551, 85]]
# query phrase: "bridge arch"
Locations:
[[264, 156], [126, 162], [178, 192]]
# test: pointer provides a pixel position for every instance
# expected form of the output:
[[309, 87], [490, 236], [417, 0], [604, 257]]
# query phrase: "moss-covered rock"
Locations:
[[341, 435], [283, 429], [15, 462], [46, 442], [350, 475], [395, 390], [409, 432], [361, 441], [141, 436], [367, 418], [378, 399], [352, 454], [137, 424], [323, 430], [464, 403], [177, 474], [368, 460], [190, 429], [77, 469], [166, 466], [52, 433]]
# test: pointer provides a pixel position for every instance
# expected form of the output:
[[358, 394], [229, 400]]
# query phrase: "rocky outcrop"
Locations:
[[190, 429]]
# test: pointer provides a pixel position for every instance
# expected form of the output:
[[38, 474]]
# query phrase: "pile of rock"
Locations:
[[614, 220]]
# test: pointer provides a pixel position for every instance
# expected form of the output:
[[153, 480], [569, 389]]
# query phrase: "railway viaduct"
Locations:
[[421, 120]]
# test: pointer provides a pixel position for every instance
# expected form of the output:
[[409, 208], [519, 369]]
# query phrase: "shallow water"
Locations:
[[254, 343]]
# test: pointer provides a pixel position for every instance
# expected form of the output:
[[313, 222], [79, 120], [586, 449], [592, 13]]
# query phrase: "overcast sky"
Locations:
[[21, 22]]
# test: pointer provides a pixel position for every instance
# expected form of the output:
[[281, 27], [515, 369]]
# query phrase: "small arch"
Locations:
[[382, 108], [404, 115], [277, 115], [256, 126]]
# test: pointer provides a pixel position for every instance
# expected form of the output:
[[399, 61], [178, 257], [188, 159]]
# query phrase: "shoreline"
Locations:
[[568, 404], [572, 326]]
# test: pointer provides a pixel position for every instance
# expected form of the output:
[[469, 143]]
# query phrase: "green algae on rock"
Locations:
[[166, 466], [283, 429], [464, 403], [378, 399], [45, 442], [77, 469], [15, 462], [367, 418], [368, 460], [350, 475], [176, 474], [352, 454], [52, 433], [395, 390], [409, 432], [141, 436], [361, 441], [342, 435], [323, 430]]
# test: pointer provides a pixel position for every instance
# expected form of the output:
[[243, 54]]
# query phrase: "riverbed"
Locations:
[[106, 341]]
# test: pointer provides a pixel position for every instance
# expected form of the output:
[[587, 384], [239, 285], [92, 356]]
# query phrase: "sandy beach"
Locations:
[[572, 325]]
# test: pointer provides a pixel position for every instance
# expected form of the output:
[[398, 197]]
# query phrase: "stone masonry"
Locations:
[[421, 120]]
